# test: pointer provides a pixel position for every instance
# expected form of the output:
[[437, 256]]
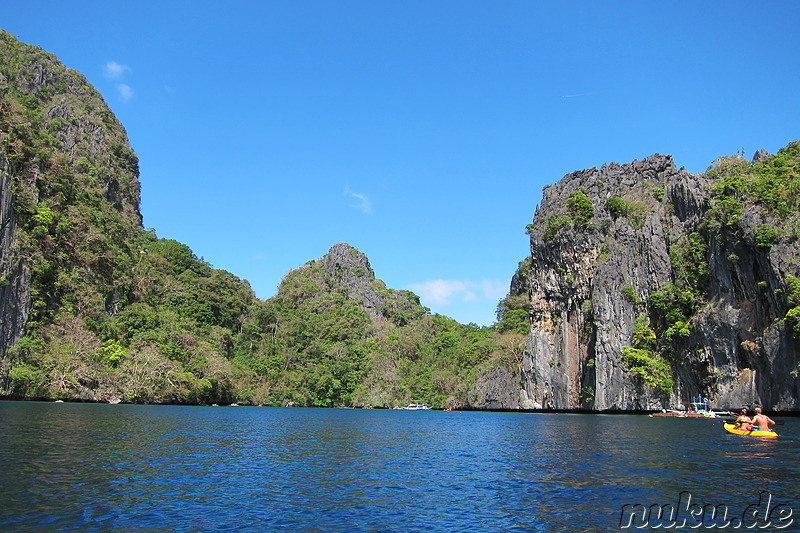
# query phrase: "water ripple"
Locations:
[[129, 468]]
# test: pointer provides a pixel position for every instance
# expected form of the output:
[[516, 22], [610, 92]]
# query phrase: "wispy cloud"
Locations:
[[362, 203], [576, 95], [125, 92], [439, 291], [115, 71], [443, 292]]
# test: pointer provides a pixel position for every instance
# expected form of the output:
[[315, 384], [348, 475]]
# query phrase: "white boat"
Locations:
[[700, 408], [415, 407]]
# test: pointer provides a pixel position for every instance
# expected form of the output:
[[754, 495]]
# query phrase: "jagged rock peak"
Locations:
[[343, 258], [349, 270], [638, 180], [655, 169], [34, 83], [760, 156]]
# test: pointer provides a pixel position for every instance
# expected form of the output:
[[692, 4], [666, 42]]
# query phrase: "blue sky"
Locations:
[[421, 133]]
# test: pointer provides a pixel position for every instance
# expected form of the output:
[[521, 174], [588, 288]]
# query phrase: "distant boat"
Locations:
[[699, 409], [415, 407]]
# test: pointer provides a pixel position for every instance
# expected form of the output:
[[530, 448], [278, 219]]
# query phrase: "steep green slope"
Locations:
[[109, 311], [96, 308]]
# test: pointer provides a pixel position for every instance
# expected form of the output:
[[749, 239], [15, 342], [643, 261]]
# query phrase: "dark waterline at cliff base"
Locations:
[[124, 467], [792, 413]]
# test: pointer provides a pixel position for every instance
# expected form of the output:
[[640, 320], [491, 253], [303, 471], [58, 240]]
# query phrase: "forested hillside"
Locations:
[[96, 308]]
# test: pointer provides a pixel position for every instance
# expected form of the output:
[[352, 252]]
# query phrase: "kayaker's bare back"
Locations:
[[762, 421]]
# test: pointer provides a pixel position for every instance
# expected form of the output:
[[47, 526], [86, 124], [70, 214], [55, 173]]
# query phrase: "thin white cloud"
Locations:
[[442, 292], [577, 95], [125, 92], [363, 203], [439, 291], [114, 70]]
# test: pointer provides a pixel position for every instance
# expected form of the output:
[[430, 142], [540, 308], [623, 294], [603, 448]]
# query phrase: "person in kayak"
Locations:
[[762, 421], [744, 422]]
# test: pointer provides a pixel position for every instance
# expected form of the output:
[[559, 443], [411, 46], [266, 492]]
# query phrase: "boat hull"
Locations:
[[730, 428], [416, 407]]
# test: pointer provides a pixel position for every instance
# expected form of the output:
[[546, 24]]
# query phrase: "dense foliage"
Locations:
[[632, 210], [642, 359], [772, 185], [319, 347], [117, 313], [190, 333]]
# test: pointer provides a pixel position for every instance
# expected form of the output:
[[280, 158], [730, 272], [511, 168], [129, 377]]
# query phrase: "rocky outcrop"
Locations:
[[349, 270], [594, 268], [15, 300], [497, 389], [74, 117]]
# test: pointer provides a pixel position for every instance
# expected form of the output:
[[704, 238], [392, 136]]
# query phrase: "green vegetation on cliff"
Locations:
[[768, 191], [773, 185], [316, 346], [641, 358], [112, 312]]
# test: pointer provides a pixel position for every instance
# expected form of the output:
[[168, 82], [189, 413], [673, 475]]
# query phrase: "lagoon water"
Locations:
[[90, 467]]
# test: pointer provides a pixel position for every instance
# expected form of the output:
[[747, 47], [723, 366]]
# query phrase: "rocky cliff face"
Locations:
[[14, 272], [46, 104], [65, 164], [349, 270], [605, 244]]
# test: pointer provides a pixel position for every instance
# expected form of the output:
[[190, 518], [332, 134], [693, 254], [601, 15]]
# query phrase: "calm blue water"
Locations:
[[121, 467]]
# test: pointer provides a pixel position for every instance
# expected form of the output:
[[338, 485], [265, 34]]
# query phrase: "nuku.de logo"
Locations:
[[685, 514]]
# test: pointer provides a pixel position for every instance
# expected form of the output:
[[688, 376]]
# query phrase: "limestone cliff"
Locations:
[[610, 246], [349, 270], [14, 272], [61, 150], [70, 226]]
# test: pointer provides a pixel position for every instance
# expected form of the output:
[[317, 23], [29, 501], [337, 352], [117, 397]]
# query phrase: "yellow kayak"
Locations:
[[732, 429]]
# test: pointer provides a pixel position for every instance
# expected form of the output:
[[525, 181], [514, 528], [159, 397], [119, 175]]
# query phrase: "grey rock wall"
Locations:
[[348, 269], [15, 301], [587, 286]]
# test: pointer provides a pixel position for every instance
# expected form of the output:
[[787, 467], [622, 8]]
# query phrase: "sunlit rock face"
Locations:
[[595, 265]]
